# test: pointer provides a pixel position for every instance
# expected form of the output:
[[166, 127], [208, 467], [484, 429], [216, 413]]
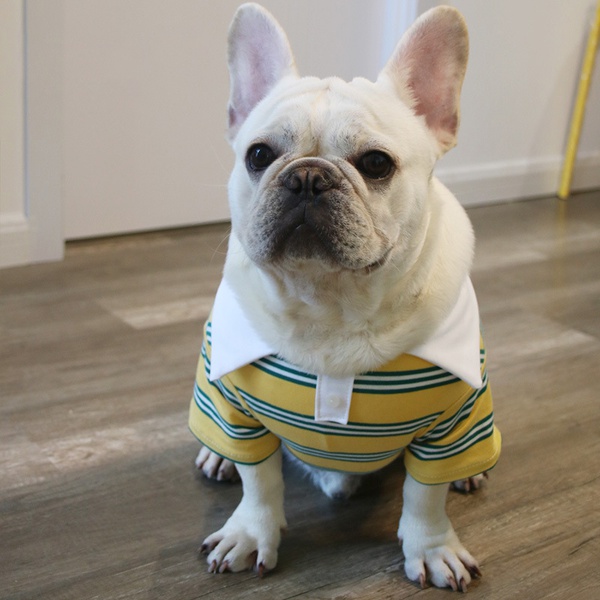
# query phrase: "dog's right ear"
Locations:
[[428, 67], [259, 55]]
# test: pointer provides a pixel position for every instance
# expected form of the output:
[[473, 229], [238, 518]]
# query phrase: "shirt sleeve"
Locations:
[[219, 420], [461, 443]]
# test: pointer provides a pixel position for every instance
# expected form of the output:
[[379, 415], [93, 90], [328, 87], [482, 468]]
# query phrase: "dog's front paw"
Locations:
[[439, 558], [471, 484], [215, 466], [245, 543]]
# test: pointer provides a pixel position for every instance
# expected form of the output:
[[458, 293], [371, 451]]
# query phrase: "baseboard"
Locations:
[[22, 243], [518, 179], [15, 236]]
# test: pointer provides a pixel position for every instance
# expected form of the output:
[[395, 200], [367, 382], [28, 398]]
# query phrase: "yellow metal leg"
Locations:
[[578, 113]]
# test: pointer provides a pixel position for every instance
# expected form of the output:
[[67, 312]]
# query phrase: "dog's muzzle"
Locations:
[[310, 196], [311, 210]]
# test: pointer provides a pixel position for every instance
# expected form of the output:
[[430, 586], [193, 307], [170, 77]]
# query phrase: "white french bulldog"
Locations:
[[345, 329]]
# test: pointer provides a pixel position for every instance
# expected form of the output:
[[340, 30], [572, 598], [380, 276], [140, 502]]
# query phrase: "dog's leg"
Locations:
[[215, 466], [250, 538], [431, 547]]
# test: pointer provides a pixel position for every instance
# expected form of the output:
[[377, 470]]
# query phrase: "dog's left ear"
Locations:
[[259, 56], [428, 67]]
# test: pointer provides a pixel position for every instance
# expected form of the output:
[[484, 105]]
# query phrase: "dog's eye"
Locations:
[[259, 157], [375, 164]]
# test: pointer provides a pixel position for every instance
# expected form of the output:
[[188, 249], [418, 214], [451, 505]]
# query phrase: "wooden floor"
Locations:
[[99, 498]]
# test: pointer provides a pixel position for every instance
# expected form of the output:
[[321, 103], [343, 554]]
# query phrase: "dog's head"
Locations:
[[336, 174]]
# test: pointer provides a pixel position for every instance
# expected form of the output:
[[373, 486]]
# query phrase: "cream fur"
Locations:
[[337, 321]]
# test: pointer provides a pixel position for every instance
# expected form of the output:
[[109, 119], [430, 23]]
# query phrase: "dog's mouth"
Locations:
[[321, 238], [379, 263]]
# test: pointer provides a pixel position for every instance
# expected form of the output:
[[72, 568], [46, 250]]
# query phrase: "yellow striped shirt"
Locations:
[[445, 427]]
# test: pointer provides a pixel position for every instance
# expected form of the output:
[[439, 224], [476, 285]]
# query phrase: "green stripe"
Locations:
[[291, 378], [343, 456], [352, 429], [481, 431], [205, 405], [443, 428], [409, 387]]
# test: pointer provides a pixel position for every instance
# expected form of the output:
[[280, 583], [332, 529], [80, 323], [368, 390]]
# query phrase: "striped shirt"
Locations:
[[445, 426]]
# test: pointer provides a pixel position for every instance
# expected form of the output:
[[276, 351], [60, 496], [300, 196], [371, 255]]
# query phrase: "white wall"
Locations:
[[145, 87], [517, 100]]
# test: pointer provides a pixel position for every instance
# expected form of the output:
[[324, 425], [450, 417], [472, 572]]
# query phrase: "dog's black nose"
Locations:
[[309, 181]]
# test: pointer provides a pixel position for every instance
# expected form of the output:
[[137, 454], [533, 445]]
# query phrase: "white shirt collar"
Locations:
[[454, 346]]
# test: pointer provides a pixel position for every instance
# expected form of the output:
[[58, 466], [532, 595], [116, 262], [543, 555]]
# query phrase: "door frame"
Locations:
[[31, 132]]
